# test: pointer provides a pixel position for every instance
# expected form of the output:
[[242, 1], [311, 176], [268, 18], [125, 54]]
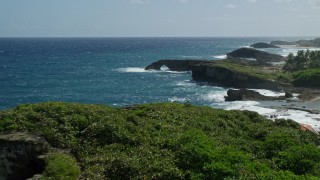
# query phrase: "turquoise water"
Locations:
[[108, 70]]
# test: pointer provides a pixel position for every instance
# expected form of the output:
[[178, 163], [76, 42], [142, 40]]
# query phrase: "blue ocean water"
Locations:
[[108, 70]]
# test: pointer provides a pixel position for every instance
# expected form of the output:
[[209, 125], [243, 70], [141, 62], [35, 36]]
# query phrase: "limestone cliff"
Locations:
[[230, 78], [19, 154]]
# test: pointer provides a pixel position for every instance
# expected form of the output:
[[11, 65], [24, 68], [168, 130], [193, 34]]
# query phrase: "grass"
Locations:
[[61, 166], [167, 141], [257, 71]]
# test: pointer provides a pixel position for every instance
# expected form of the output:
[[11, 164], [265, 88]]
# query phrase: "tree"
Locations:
[[302, 61]]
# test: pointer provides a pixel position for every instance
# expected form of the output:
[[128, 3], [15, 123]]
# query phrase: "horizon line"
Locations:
[[151, 36]]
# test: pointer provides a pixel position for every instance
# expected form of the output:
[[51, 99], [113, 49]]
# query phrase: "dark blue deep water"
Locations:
[[107, 70]]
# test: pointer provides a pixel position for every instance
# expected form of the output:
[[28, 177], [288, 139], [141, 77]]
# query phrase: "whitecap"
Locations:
[[164, 68], [186, 83], [215, 96], [266, 92], [177, 99], [191, 57], [220, 57], [133, 70]]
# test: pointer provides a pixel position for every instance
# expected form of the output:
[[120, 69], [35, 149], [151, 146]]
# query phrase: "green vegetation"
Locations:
[[305, 68], [61, 166], [168, 141], [310, 43], [256, 71], [307, 78], [302, 61]]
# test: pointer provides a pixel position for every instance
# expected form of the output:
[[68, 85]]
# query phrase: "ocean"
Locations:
[[110, 71]]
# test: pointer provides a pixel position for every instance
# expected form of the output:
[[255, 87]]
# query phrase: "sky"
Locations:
[[159, 18]]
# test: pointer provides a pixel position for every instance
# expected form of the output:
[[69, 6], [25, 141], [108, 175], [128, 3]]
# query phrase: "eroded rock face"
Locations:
[[228, 78], [19, 155]]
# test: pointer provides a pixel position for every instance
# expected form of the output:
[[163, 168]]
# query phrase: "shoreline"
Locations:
[[301, 110]]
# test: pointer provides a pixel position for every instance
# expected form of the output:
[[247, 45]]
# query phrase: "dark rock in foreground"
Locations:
[[260, 56], [246, 94], [262, 45], [20, 155]]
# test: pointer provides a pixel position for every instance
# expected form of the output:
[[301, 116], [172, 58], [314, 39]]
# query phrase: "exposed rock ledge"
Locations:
[[251, 95], [19, 155], [210, 71]]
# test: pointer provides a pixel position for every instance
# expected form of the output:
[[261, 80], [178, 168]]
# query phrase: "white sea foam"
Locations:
[[132, 70], [164, 68], [186, 83], [266, 92], [177, 99], [191, 57], [303, 117], [214, 96], [142, 70], [285, 51], [220, 57]]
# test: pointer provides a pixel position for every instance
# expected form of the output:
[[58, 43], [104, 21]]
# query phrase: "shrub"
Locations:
[[307, 78], [61, 166]]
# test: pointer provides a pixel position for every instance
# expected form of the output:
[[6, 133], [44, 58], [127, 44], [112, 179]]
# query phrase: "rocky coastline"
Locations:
[[257, 72]]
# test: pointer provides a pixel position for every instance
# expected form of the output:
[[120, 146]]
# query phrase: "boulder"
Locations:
[[250, 53], [20, 155], [249, 95], [245, 94], [262, 45]]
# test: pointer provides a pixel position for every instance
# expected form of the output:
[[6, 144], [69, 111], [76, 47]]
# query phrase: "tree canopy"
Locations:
[[302, 61]]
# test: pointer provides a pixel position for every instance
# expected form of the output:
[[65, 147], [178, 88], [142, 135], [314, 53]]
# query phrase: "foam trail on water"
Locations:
[[214, 96], [266, 92], [142, 70], [177, 99], [220, 57], [133, 70]]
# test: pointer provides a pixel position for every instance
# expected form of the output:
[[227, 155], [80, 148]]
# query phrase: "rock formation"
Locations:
[[246, 94], [228, 78], [262, 45], [260, 56], [174, 65], [19, 155]]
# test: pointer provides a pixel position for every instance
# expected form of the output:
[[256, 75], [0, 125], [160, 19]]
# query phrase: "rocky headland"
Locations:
[[262, 45], [254, 54], [299, 43], [249, 68]]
